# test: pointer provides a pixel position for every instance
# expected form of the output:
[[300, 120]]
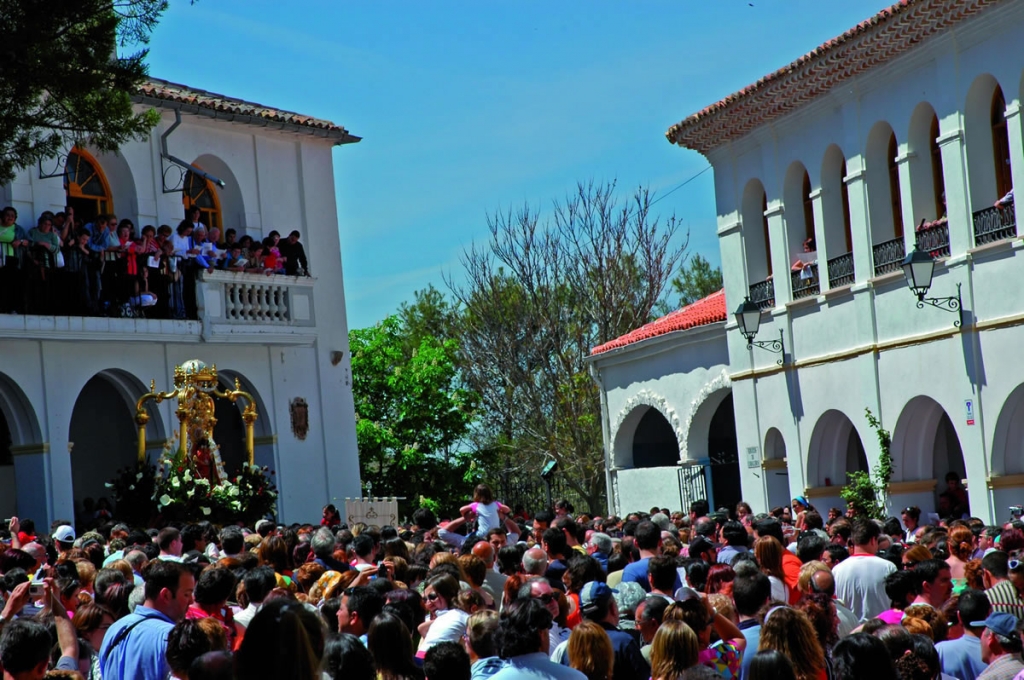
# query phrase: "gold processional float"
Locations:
[[195, 386]]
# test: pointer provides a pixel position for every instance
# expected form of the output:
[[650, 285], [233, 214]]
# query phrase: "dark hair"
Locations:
[[482, 494], [900, 584], [769, 526], [160, 574], [329, 613], [215, 585], [259, 582], [185, 643], [554, 541], [974, 605], [770, 664], [212, 666], [837, 552], [446, 660], [860, 656], [23, 646], [734, 533], [654, 608], [283, 640], [545, 516], [896, 639], [362, 545], [864, 531], [927, 571], [810, 546], [924, 649], [390, 642], [893, 527], [231, 540], [996, 563], [366, 602], [700, 507], [697, 574], [346, 658], [12, 558], [424, 519], [751, 592], [112, 590], [648, 535], [582, 569], [519, 628], [662, 572]]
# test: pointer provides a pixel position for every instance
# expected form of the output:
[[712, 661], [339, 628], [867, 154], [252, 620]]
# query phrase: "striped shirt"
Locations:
[[1005, 598]]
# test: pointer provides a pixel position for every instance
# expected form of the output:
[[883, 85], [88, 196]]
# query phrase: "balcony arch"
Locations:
[[801, 245], [885, 208], [926, 179], [834, 450], [757, 244], [228, 198], [835, 202], [986, 141]]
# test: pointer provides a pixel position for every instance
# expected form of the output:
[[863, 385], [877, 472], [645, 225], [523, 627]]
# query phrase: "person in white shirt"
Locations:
[[258, 583], [860, 579]]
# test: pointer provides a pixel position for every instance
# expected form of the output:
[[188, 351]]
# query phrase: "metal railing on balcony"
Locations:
[[762, 294], [933, 238], [994, 224], [805, 282], [888, 256], [840, 271]]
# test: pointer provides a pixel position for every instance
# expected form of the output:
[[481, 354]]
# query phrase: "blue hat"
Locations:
[[999, 623], [593, 592]]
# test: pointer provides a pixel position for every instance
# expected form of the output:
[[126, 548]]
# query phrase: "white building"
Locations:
[[69, 385], [854, 145]]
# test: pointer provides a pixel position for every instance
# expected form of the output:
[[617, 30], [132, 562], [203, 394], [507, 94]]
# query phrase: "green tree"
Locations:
[[696, 280], [61, 80], [411, 415], [537, 298]]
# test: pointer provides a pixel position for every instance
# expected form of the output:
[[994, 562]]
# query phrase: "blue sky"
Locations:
[[467, 107]]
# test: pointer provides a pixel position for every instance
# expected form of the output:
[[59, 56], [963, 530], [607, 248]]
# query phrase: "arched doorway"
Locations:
[[1008, 442], [776, 469], [88, 191], [19, 434], [227, 198], [103, 433], [723, 452], [654, 442], [229, 432], [835, 449], [925, 446]]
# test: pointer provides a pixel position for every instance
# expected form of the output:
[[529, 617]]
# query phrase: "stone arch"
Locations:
[[1008, 441], [799, 210], [884, 207], [835, 449], [925, 444], [628, 419], [121, 180], [232, 205], [980, 142], [776, 469], [774, 445], [927, 183], [102, 432], [229, 433], [756, 243], [19, 433], [835, 204], [698, 419]]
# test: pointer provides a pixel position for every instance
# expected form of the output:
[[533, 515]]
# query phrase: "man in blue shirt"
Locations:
[[136, 646], [598, 605], [648, 542], [750, 593], [961, 658]]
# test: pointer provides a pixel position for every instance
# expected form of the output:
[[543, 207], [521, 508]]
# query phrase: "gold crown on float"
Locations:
[[196, 373]]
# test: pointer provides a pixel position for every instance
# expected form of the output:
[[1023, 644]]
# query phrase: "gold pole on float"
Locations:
[[249, 416], [141, 417]]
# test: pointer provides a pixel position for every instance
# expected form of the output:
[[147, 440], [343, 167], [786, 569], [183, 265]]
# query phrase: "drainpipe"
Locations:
[[179, 162]]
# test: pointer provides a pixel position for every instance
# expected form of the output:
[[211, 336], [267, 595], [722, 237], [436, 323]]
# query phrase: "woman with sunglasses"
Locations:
[[801, 506], [445, 622], [697, 612]]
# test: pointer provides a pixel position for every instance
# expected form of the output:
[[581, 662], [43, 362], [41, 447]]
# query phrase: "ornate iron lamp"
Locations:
[[748, 318], [918, 268]]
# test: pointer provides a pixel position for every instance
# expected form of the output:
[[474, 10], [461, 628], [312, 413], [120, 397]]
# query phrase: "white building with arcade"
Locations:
[[902, 133], [69, 384]]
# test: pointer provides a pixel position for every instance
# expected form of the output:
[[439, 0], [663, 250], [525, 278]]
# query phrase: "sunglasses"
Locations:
[[546, 598], [1013, 565], [433, 596]]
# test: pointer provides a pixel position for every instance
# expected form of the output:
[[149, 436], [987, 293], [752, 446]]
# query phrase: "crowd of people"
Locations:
[[492, 593], [67, 266]]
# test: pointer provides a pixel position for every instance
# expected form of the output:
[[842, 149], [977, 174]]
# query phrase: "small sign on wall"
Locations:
[[969, 410], [753, 457]]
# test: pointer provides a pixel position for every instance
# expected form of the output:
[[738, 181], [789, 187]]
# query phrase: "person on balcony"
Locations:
[[13, 240], [1006, 200], [805, 263], [83, 297], [45, 248], [295, 256]]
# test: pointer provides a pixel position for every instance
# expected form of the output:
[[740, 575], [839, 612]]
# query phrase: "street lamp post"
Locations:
[[918, 268], [748, 318]]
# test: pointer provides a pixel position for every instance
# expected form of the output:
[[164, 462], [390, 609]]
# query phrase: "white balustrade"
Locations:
[[240, 298]]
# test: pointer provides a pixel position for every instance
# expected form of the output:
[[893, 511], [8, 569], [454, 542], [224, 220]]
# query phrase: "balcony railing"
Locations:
[[762, 294], [840, 271], [805, 282], [994, 224], [888, 256], [237, 298], [933, 238]]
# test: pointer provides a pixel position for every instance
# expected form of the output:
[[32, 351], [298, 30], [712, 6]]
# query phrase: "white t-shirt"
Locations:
[[448, 627], [779, 590], [860, 584], [486, 517]]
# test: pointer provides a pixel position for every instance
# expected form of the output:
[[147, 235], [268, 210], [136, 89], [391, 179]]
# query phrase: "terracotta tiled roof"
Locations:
[[701, 313], [155, 91], [871, 43]]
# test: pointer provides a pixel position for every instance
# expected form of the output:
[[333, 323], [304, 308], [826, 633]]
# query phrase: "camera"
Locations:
[[1016, 511]]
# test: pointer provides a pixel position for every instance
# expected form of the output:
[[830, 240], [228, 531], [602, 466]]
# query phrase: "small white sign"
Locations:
[[753, 457], [969, 409]]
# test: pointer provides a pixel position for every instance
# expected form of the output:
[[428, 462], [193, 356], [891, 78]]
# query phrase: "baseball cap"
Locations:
[[593, 592], [999, 623], [700, 545], [64, 534]]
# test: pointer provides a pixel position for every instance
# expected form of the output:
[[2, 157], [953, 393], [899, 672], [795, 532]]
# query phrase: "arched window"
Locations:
[[1000, 143], [808, 207], [894, 188], [87, 189], [199, 191], [938, 183]]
